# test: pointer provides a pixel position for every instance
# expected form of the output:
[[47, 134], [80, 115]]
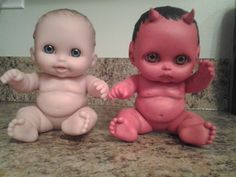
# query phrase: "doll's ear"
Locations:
[[197, 55], [198, 52], [131, 52], [32, 53], [94, 60]]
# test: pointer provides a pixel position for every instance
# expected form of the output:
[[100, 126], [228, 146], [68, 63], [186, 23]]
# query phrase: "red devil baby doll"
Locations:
[[165, 50]]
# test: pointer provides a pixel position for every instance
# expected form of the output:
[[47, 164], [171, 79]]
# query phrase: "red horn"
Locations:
[[189, 17], [153, 15]]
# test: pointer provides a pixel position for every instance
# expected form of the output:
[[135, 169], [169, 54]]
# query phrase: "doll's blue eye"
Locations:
[[49, 49], [75, 52], [181, 59], [152, 57]]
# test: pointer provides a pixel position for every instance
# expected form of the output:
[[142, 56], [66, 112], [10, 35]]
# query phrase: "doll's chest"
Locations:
[[48, 83], [152, 89]]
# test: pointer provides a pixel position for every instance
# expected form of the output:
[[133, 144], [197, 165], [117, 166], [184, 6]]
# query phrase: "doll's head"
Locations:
[[64, 42], [165, 44]]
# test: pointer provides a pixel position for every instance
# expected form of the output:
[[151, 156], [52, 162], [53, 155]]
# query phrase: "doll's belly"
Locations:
[[59, 103], [160, 109]]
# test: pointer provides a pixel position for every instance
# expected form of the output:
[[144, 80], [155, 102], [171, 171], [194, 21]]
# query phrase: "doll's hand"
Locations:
[[12, 76], [102, 89], [206, 69], [119, 91]]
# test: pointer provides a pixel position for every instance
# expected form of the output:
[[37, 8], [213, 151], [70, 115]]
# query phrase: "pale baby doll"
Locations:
[[64, 42], [165, 50]]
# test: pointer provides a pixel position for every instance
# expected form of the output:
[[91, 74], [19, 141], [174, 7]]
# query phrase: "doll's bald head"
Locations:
[[66, 12]]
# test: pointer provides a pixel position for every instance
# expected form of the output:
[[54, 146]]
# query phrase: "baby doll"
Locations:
[[64, 42], [165, 50]]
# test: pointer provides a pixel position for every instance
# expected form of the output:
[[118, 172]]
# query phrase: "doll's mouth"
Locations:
[[166, 77], [61, 69]]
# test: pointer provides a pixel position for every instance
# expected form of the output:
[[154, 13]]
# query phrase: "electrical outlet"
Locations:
[[12, 4]]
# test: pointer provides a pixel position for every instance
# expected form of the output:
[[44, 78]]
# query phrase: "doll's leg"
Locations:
[[194, 130], [28, 123], [80, 122], [128, 124]]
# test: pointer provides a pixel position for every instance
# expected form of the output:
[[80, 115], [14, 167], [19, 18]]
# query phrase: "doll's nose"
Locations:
[[166, 67], [62, 57]]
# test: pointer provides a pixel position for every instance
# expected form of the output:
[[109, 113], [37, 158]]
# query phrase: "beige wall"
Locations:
[[114, 21]]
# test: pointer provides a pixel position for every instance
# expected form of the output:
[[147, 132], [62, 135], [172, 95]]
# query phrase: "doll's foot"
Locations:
[[122, 129], [201, 134], [80, 125], [22, 130], [84, 122]]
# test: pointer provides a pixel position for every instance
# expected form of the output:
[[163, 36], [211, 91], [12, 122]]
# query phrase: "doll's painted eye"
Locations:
[[152, 57], [181, 59], [75, 52], [49, 49]]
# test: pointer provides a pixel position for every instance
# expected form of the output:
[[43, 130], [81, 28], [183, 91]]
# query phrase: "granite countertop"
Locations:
[[98, 154]]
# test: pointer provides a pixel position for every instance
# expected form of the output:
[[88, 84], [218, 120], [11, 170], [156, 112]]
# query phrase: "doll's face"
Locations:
[[165, 50], [64, 46]]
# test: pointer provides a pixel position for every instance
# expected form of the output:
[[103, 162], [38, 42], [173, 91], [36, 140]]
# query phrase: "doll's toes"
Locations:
[[99, 87], [104, 96], [3, 80]]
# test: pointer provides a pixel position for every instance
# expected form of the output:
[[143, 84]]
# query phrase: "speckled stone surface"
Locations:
[[98, 154], [112, 70]]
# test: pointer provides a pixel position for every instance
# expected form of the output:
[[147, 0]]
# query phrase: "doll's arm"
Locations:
[[19, 81], [202, 78], [97, 87], [124, 89]]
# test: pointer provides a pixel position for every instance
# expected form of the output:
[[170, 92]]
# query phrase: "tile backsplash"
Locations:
[[112, 70]]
